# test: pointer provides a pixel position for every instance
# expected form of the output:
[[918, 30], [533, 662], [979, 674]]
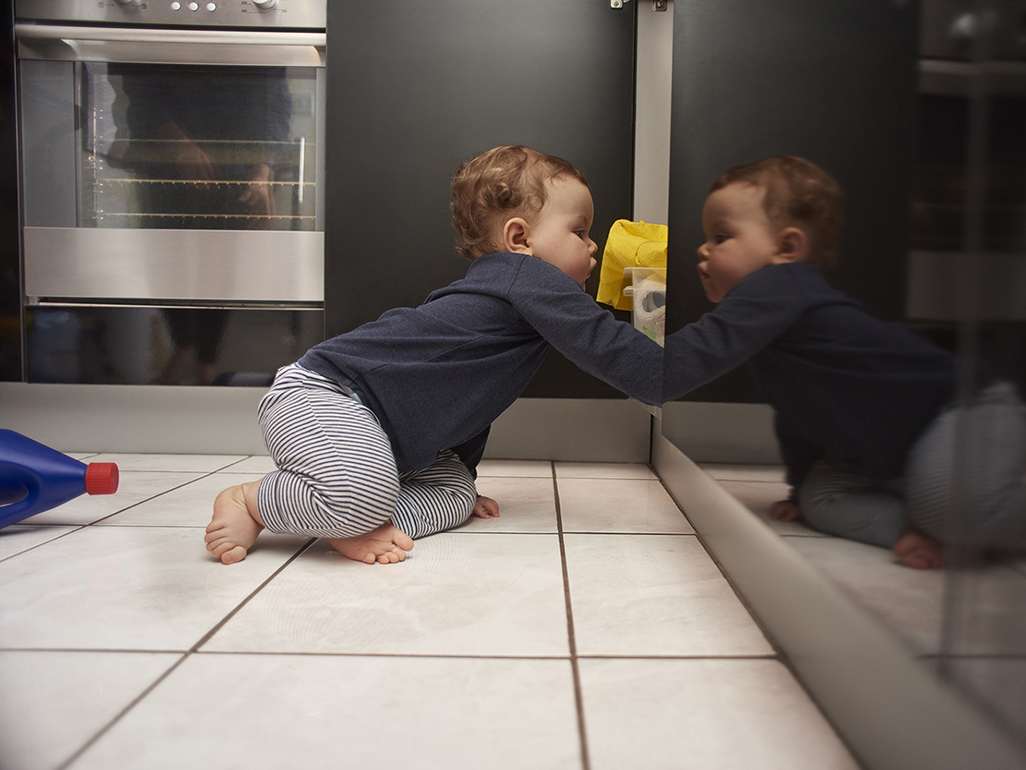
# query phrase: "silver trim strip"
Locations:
[[142, 35], [188, 265], [159, 46]]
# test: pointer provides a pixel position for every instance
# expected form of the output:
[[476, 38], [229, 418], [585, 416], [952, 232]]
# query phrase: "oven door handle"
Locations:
[[170, 46]]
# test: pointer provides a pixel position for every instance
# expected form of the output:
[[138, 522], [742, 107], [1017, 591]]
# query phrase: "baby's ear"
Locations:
[[792, 245], [516, 236]]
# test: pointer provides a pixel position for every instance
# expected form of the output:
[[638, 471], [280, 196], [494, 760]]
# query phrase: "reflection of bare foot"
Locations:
[[386, 545], [235, 524], [920, 551]]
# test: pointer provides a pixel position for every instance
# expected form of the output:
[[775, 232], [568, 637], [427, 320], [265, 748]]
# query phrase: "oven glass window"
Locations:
[[161, 146]]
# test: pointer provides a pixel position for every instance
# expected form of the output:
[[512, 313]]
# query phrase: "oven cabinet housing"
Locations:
[[414, 88], [172, 204]]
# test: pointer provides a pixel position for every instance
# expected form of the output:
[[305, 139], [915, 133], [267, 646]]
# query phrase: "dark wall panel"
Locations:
[[10, 282], [833, 82], [414, 88]]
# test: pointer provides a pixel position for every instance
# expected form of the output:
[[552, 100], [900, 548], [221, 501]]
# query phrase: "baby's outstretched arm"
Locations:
[[785, 510], [486, 508]]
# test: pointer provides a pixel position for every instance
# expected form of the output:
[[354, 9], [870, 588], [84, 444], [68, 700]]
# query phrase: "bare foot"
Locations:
[[386, 545], [235, 524], [920, 551]]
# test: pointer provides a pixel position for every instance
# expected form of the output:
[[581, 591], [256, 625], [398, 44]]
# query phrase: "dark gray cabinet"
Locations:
[[833, 82], [10, 292], [414, 88]]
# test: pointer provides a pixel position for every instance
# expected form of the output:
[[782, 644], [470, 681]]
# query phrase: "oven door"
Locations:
[[163, 165], [168, 173]]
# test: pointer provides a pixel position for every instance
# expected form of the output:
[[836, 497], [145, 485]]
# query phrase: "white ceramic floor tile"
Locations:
[[160, 462], [704, 715], [654, 595], [261, 464], [21, 537], [603, 471], [118, 588], [525, 505], [731, 472], [998, 682], [316, 712], [54, 702], [456, 594], [190, 505], [530, 468], [133, 488], [619, 505], [909, 600], [988, 618], [759, 496]]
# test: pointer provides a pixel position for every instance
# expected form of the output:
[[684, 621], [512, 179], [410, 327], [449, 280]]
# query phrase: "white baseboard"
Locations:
[[198, 420]]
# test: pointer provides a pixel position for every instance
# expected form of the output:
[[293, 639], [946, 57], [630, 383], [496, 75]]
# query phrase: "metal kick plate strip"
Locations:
[[187, 265]]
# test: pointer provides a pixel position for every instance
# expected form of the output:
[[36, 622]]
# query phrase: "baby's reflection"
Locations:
[[877, 445]]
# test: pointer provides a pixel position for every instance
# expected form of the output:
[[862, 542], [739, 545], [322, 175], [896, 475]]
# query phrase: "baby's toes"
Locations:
[[232, 555]]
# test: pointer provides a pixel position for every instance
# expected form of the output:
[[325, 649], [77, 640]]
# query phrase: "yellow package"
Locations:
[[630, 244]]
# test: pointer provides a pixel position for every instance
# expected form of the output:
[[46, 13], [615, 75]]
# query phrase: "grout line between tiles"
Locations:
[[218, 626], [75, 528], [582, 732], [117, 718]]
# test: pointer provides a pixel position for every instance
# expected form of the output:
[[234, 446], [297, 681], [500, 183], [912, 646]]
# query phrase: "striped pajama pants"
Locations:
[[965, 482], [336, 472]]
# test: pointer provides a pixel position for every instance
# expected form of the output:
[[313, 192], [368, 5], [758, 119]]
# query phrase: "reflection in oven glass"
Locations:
[[172, 346], [198, 147]]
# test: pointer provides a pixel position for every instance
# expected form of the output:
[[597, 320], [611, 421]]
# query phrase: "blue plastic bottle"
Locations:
[[35, 478]]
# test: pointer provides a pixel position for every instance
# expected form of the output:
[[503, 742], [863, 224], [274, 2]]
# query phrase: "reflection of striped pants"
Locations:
[[965, 482], [336, 473]]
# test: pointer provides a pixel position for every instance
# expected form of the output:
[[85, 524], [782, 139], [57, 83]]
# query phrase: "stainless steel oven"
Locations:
[[171, 173]]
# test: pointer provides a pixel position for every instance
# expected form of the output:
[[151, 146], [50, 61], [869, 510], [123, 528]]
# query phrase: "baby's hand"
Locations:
[[785, 510], [486, 508]]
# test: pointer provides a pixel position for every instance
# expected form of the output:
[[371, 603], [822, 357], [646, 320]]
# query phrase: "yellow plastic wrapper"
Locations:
[[630, 244]]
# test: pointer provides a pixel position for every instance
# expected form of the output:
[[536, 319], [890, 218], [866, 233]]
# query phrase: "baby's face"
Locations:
[[560, 231], [739, 238]]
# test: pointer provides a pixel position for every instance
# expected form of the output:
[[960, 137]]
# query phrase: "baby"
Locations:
[[376, 434]]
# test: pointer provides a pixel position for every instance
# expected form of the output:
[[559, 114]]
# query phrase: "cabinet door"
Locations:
[[414, 88], [832, 82]]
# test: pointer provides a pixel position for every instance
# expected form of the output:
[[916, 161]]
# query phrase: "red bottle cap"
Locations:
[[101, 478]]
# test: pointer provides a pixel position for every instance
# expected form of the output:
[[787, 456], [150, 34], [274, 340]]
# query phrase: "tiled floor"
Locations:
[[585, 628]]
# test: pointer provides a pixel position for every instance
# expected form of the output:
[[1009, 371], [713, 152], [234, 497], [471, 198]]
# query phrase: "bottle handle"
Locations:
[[10, 513]]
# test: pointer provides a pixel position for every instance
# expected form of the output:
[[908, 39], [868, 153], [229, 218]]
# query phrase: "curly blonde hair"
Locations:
[[504, 182], [798, 193]]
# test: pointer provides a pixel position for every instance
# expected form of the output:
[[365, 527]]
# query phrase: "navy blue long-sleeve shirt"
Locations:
[[438, 375], [843, 384]]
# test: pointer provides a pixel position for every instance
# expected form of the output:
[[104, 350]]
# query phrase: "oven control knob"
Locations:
[[266, 4]]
